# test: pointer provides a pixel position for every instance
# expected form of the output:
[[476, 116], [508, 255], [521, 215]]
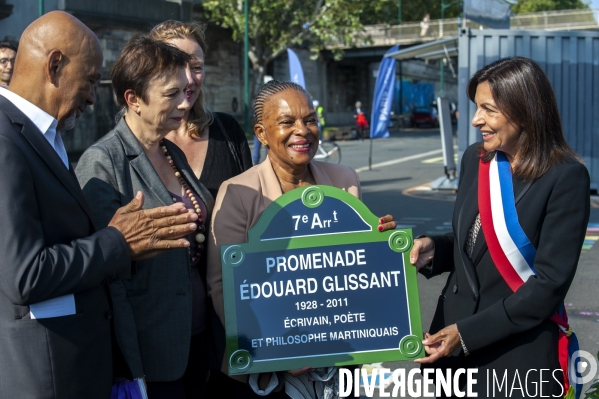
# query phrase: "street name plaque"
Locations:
[[318, 285]]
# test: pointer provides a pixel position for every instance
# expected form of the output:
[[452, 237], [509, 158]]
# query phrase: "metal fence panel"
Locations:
[[571, 61]]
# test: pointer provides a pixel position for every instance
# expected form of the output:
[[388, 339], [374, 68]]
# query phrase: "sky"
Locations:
[[595, 5]]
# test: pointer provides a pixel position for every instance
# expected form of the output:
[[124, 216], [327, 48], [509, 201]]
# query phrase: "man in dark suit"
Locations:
[[54, 311]]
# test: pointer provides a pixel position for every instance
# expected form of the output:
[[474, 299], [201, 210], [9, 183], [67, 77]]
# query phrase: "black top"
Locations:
[[220, 164]]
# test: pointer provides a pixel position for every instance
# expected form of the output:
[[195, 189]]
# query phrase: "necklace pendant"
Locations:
[[200, 238]]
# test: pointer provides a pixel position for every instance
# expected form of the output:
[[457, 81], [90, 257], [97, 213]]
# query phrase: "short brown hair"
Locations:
[[141, 60], [199, 117], [524, 95]]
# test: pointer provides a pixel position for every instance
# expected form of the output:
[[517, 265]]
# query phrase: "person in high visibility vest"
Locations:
[[319, 113]]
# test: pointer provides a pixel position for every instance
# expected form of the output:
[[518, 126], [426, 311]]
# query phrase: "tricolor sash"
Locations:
[[513, 253]]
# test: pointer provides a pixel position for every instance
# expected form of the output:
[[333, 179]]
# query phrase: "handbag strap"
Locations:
[[229, 142]]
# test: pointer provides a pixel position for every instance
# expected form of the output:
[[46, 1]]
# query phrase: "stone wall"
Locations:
[[353, 79], [337, 85], [99, 119], [348, 81], [23, 13], [313, 72], [223, 85]]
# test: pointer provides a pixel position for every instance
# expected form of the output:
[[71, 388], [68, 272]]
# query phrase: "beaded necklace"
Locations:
[[199, 237]]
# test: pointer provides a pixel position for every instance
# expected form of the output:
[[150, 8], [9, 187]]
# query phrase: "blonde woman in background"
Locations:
[[213, 142], [217, 150]]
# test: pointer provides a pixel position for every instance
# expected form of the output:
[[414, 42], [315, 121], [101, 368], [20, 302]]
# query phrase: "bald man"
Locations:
[[54, 311]]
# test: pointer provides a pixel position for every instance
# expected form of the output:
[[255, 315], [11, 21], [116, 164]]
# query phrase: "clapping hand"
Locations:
[[149, 232]]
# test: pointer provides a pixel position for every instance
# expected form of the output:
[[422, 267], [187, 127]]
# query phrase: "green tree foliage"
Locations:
[[386, 11], [525, 6], [275, 25]]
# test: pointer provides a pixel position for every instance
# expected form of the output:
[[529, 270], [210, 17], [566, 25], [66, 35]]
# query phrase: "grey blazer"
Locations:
[[48, 248], [152, 309]]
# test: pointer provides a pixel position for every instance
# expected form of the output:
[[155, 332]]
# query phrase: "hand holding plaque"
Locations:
[[314, 284]]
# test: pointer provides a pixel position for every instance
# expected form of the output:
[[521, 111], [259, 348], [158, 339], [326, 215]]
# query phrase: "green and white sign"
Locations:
[[318, 285]]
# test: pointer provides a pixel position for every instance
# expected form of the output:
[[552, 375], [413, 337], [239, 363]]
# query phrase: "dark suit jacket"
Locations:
[[153, 308], [502, 329], [48, 248]]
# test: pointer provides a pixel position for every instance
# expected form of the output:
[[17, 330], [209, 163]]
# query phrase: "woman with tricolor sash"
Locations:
[[518, 226]]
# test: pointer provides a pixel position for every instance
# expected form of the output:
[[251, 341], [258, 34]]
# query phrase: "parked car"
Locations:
[[424, 116]]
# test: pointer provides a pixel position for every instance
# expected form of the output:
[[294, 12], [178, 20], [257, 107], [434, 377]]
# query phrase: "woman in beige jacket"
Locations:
[[286, 124]]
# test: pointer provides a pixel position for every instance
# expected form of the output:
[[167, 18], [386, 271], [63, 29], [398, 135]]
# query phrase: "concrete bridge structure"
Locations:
[[343, 82], [412, 33]]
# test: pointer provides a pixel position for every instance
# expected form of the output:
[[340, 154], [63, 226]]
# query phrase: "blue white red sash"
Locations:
[[513, 253]]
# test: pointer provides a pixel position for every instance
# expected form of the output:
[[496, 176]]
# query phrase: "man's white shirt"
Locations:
[[42, 120]]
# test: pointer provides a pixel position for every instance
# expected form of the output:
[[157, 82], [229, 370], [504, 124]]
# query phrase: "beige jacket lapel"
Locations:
[[270, 183]]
